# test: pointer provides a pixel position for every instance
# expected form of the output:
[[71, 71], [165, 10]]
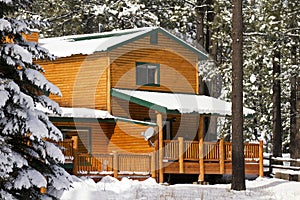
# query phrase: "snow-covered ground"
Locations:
[[112, 189]]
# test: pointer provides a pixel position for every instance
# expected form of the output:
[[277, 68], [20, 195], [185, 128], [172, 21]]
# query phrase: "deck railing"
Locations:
[[67, 148], [134, 163], [145, 164], [100, 163], [114, 163], [211, 150]]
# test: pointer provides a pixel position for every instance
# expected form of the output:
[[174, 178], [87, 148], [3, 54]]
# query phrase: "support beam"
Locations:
[[261, 158], [180, 156], [115, 164], [201, 141], [108, 82], [75, 154], [160, 146], [153, 165], [222, 156]]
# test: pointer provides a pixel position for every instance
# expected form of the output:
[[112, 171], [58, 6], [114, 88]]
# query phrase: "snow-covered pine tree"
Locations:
[[28, 161]]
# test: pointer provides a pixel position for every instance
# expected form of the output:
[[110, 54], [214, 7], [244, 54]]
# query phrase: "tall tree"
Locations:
[[238, 168], [28, 160]]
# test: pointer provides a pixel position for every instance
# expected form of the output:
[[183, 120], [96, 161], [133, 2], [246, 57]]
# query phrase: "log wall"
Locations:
[[81, 79], [100, 133], [127, 138], [178, 65]]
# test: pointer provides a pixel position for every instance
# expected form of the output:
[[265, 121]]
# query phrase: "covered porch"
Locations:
[[188, 151], [179, 157]]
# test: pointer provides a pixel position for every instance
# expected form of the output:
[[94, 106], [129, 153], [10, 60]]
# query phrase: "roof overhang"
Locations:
[[88, 115], [178, 103]]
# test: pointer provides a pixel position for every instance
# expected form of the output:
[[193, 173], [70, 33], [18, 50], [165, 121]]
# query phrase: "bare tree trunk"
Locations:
[[276, 99], [200, 11], [293, 114], [238, 162], [210, 19]]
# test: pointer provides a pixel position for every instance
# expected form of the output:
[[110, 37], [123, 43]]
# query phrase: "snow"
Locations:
[[111, 188], [85, 113], [5, 25], [184, 103], [19, 53], [36, 78], [28, 177], [80, 44]]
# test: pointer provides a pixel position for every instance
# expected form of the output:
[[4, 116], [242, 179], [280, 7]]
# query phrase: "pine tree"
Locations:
[[238, 162], [28, 160]]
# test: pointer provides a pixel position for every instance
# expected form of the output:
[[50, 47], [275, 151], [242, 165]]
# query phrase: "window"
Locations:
[[84, 138], [147, 74]]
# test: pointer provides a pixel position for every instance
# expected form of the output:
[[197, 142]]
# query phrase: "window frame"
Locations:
[[156, 65]]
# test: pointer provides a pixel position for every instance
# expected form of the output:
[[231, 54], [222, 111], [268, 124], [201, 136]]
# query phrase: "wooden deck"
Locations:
[[179, 157]]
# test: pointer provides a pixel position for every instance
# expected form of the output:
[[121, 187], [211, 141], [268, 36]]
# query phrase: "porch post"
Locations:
[[180, 156], [261, 158], [153, 165], [201, 139], [75, 154], [222, 156], [115, 163], [160, 146]]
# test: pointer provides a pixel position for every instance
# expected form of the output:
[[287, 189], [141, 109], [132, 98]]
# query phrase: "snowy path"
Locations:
[[112, 189]]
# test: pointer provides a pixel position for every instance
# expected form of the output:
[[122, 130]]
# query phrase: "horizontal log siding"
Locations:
[[127, 138], [182, 125], [177, 65], [81, 79], [100, 133]]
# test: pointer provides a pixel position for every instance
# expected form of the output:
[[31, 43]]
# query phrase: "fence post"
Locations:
[[261, 158], [115, 163], [153, 170], [270, 165], [222, 156], [75, 154], [201, 143], [180, 156]]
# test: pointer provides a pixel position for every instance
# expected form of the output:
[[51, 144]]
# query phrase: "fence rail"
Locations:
[[211, 150], [114, 163], [274, 163], [67, 147]]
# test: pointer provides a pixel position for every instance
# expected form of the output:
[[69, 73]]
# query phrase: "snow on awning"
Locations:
[[76, 112], [89, 113], [85, 113], [175, 102]]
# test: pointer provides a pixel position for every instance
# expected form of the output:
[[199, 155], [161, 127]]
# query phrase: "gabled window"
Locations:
[[147, 74]]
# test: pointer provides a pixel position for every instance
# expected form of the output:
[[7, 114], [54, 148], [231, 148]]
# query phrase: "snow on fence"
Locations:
[[283, 168]]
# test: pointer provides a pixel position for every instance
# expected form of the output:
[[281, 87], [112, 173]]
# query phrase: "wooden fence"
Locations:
[[114, 164], [274, 163], [212, 151]]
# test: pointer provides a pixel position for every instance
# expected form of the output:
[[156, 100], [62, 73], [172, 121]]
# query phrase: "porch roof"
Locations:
[[85, 114], [177, 102]]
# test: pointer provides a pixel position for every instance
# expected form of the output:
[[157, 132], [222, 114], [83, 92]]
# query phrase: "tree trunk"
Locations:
[[210, 19], [276, 99], [200, 22], [238, 167], [293, 113]]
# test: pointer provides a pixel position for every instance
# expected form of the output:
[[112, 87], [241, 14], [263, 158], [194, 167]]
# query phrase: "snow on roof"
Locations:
[[183, 103], [88, 113], [76, 112], [85, 113], [89, 43]]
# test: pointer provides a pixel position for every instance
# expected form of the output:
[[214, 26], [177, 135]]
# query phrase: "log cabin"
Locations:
[[132, 107]]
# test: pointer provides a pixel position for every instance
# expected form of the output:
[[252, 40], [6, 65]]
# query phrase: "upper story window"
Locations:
[[147, 74]]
